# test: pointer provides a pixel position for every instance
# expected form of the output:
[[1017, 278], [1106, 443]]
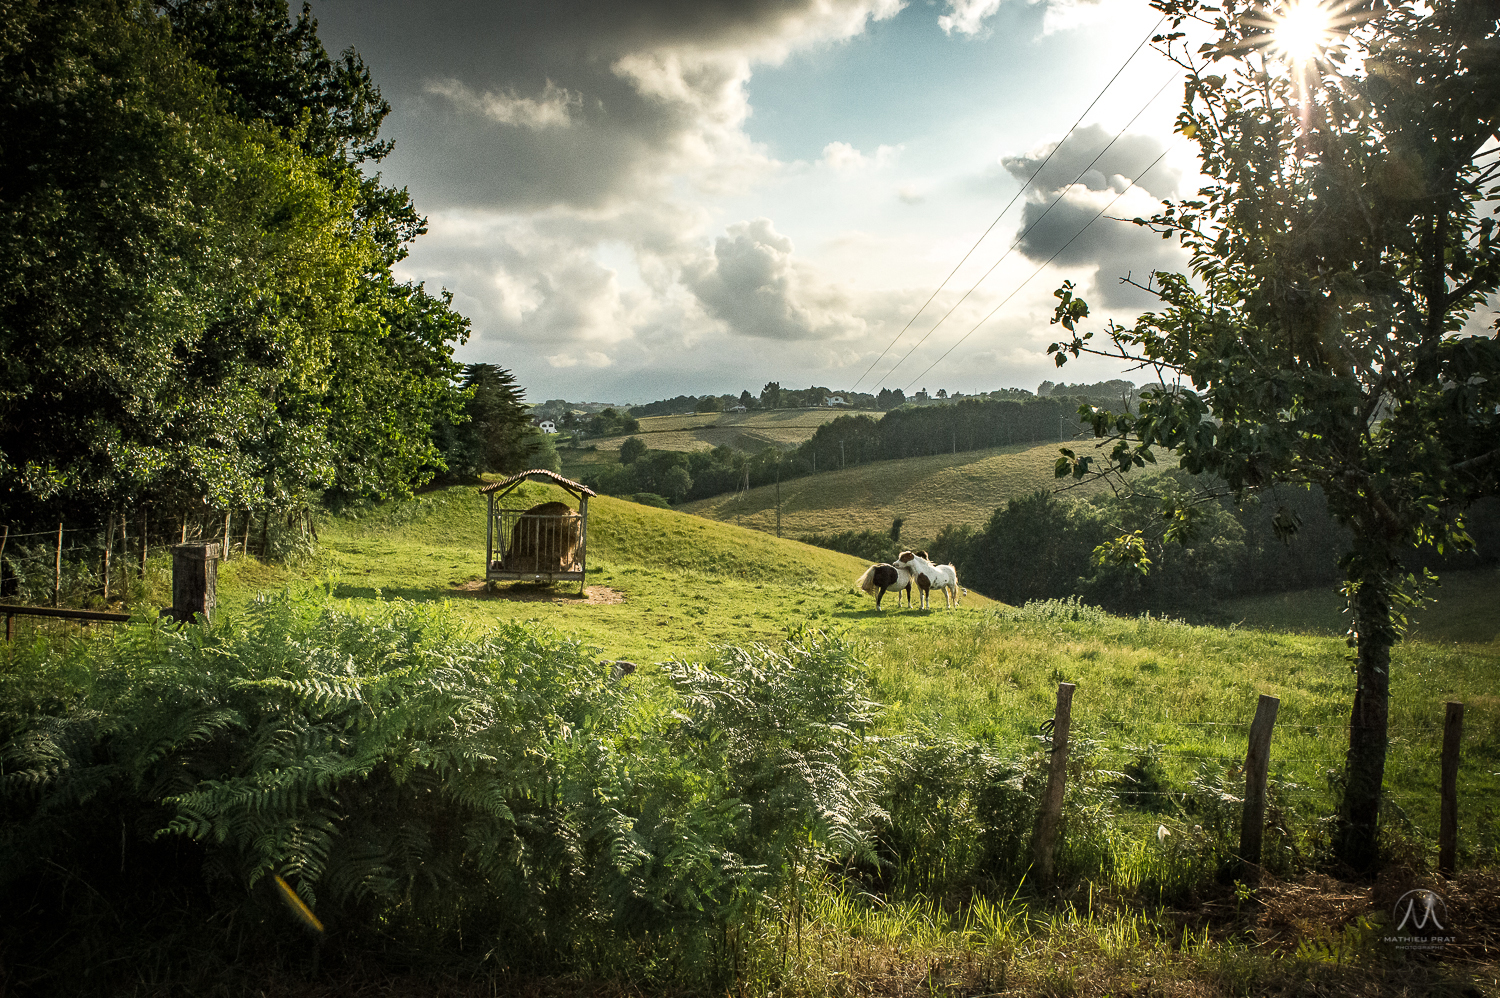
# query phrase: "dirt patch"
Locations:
[[531, 592]]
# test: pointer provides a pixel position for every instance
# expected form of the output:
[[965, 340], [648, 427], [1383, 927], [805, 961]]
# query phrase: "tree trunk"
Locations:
[[1364, 770]]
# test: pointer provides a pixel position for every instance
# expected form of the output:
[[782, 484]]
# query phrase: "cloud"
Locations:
[[967, 16], [520, 107], [841, 157], [757, 288], [553, 108], [1090, 152], [1084, 176]]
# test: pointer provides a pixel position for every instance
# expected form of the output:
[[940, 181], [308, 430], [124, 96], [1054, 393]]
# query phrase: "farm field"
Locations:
[[1462, 608], [746, 431], [927, 492]]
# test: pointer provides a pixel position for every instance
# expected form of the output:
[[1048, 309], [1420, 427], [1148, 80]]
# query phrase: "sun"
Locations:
[[1303, 31]]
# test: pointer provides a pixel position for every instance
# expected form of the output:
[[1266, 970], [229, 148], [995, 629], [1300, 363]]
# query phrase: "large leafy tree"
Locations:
[[1331, 332], [196, 306]]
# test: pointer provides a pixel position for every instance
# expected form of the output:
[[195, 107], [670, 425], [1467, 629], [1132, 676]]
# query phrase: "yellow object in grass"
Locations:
[[298, 906]]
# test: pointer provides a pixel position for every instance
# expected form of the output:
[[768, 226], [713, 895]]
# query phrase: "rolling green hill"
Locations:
[[662, 584], [928, 492]]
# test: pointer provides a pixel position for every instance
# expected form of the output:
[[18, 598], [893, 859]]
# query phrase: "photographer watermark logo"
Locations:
[[1420, 919]]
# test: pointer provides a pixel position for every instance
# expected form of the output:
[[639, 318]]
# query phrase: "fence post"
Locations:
[[1257, 760], [1044, 838], [57, 570], [195, 577], [1453, 729]]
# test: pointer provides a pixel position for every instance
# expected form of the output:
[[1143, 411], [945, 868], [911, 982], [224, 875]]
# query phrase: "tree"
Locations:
[[747, 400], [709, 403], [196, 306], [1326, 335], [497, 434], [631, 448], [770, 396]]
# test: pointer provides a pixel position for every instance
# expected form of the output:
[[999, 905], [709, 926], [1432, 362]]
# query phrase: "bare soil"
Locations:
[[532, 592]]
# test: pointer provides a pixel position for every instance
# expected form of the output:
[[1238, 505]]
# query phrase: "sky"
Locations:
[[638, 199]]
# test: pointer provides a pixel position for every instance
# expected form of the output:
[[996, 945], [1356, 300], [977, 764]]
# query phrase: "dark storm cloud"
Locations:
[[1088, 183], [521, 105], [1088, 152]]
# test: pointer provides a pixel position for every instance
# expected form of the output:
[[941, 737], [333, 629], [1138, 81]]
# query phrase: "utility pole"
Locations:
[[778, 497]]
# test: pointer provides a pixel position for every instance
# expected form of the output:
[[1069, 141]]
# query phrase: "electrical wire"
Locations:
[[1009, 204], [1062, 192], [1038, 270]]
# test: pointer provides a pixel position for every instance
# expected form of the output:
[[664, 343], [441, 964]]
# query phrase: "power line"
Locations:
[[1054, 256], [1012, 201], [1034, 223]]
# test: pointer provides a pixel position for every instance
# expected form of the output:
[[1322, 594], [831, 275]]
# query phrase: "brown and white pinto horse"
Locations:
[[879, 578]]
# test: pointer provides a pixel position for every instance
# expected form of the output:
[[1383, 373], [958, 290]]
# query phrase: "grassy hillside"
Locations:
[[742, 430], [928, 492], [664, 585], [661, 584]]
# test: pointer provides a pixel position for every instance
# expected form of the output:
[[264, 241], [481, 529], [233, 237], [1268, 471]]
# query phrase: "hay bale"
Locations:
[[544, 539]]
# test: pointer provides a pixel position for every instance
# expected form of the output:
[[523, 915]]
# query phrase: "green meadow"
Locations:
[[663, 586], [956, 699]]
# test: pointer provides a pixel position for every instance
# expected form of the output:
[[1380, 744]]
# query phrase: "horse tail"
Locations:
[[867, 581]]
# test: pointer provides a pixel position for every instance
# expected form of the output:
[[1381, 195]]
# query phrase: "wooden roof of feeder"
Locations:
[[507, 484]]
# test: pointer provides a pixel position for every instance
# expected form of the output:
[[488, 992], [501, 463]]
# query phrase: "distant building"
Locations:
[[547, 426], [921, 396], [833, 400], [736, 408]]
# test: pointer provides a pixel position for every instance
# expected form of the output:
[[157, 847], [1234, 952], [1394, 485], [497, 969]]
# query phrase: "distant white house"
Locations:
[[834, 400], [547, 426], [736, 408]]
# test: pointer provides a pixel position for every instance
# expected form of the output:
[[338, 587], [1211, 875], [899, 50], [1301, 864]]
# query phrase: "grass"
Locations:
[[749, 431], [1182, 695], [681, 585], [1461, 609], [927, 492], [1187, 695]]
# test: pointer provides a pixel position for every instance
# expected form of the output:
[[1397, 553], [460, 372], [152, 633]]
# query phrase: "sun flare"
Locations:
[[1303, 31]]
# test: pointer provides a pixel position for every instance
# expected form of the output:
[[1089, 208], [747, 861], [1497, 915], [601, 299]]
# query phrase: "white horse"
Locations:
[[927, 575]]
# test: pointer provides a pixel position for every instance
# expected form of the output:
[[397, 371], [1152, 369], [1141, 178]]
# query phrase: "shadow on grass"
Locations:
[[518, 592]]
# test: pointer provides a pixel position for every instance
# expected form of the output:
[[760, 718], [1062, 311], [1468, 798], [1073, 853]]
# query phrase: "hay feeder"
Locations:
[[547, 542]]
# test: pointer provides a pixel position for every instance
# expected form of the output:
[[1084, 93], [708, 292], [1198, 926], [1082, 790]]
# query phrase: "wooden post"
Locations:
[[57, 569], [1044, 837], [109, 543], [144, 532], [225, 546], [195, 576], [1257, 761], [1453, 729]]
